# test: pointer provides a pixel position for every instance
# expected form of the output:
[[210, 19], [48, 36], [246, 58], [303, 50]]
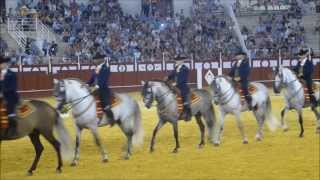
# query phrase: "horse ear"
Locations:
[[55, 81], [143, 83]]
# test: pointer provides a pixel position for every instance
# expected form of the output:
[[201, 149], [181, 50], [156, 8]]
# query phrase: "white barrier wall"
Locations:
[[182, 4]]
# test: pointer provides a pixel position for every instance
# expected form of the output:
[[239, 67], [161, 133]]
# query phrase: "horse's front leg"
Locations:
[[218, 135], [202, 130], [77, 148], [155, 131], [241, 128], [283, 122], [176, 136], [300, 122], [98, 143]]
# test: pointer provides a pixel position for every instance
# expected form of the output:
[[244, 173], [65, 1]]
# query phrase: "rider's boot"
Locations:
[[313, 100], [186, 112], [249, 102], [109, 114]]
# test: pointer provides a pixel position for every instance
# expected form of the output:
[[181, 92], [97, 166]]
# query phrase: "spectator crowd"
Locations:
[[100, 28]]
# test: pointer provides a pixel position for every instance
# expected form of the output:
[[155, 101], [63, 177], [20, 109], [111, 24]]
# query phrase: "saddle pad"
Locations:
[[251, 88], [114, 102], [4, 123], [315, 88], [193, 99], [23, 110]]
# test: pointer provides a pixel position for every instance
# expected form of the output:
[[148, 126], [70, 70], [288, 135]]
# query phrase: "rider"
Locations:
[[8, 86], [239, 72], [100, 78], [304, 70], [180, 76]]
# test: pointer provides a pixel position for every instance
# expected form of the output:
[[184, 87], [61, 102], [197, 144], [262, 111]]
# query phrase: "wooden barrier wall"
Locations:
[[33, 83]]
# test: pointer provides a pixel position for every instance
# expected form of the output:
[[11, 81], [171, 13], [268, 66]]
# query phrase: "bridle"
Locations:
[[223, 98], [61, 96]]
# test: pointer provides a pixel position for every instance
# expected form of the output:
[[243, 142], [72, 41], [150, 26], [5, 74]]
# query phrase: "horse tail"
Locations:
[[64, 139], [272, 121], [138, 135]]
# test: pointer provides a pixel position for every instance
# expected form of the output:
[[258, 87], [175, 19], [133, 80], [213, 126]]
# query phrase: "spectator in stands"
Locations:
[[53, 49]]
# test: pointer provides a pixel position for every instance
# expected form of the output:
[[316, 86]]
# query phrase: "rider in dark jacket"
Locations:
[[8, 86], [240, 72], [100, 78], [180, 76], [304, 70]]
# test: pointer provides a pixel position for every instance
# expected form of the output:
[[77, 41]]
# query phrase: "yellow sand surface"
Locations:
[[281, 155]]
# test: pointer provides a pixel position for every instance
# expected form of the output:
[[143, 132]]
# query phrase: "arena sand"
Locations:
[[281, 155]]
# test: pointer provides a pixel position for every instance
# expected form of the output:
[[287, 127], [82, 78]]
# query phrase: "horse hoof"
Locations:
[[216, 144], [151, 150], [301, 136], [29, 173], [126, 157], [200, 146], [73, 164], [58, 171], [258, 139], [105, 160], [175, 151], [245, 142]]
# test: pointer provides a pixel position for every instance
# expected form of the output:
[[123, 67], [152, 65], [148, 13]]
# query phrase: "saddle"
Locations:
[[115, 101], [194, 98], [23, 110], [251, 89]]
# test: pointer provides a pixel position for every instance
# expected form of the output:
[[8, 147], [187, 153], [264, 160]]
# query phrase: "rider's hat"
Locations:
[[303, 52], [180, 60], [4, 59], [240, 54]]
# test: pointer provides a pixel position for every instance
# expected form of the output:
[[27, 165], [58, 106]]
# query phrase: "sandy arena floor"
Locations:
[[281, 155]]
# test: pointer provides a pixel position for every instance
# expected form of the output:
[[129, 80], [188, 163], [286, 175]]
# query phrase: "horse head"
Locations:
[[147, 93], [278, 79], [220, 85], [59, 91]]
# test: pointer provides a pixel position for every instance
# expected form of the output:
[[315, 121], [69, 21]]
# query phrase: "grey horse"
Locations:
[[168, 110], [74, 92], [225, 94], [294, 96], [42, 119]]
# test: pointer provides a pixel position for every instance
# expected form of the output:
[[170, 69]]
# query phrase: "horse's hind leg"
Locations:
[[241, 128], [176, 136], [283, 122], [55, 143], [260, 120], [317, 114], [300, 123], [154, 134], [129, 146], [202, 129], [77, 148], [98, 143], [34, 137]]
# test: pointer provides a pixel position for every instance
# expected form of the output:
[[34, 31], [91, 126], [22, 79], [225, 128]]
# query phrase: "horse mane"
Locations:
[[82, 84], [167, 84]]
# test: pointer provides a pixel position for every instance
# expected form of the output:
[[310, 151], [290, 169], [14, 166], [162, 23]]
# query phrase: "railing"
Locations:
[[21, 28]]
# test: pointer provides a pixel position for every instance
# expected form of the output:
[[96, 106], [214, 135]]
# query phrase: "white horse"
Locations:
[[127, 114], [293, 95], [229, 100]]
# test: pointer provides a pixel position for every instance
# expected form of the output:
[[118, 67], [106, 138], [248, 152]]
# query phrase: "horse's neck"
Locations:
[[76, 94], [292, 84], [163, 95]]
